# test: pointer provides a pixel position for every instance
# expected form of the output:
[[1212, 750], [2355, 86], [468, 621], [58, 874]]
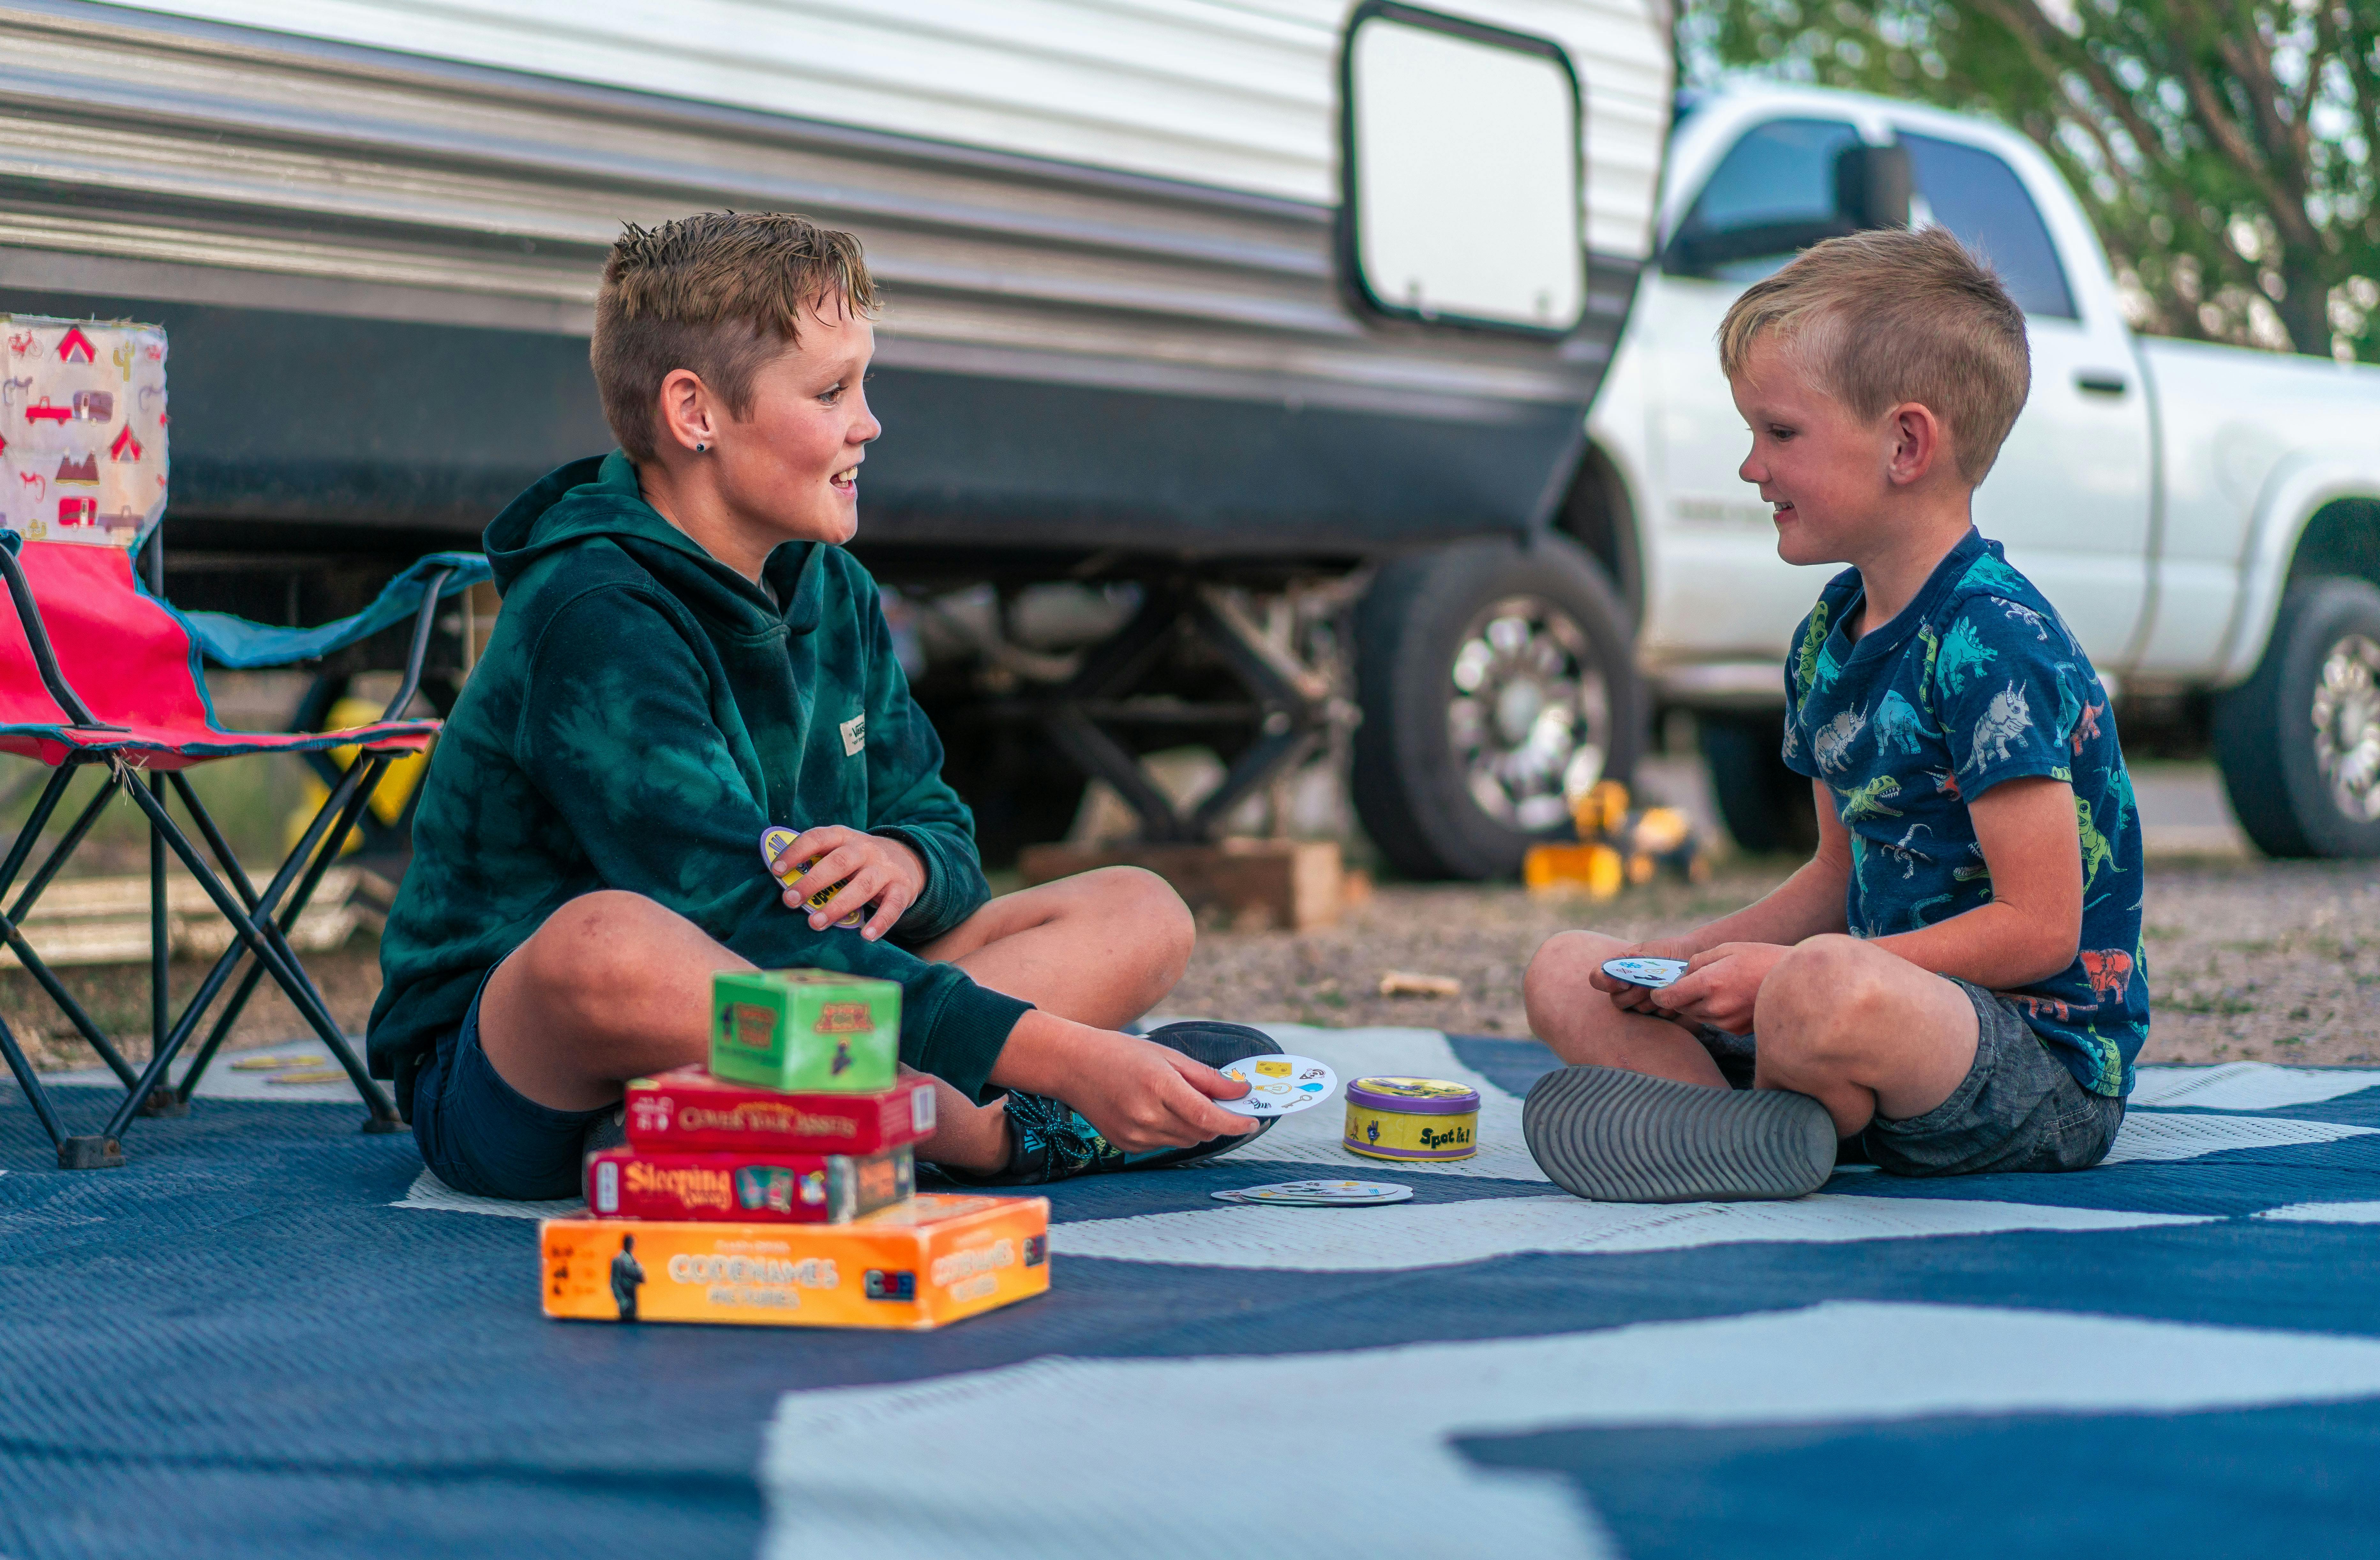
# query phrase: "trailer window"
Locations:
[[1978, 197], [1462, 169], [1776, 191]]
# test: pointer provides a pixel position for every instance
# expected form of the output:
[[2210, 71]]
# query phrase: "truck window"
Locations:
[[1978, 197], [1772, 195]]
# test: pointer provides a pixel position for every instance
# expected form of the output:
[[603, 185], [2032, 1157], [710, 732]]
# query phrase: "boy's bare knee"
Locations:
[[1824, 991], [1132, 911], [1565, 962], [592, 952], [1162, 924]]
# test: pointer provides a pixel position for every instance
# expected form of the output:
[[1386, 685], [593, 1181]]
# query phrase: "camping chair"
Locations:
[[96, 672]]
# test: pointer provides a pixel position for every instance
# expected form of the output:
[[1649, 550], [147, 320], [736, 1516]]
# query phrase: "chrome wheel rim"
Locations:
[[1528, 712], [2347, 726]]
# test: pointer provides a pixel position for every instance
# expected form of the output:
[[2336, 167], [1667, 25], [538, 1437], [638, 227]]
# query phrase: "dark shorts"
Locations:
[[481, 1136], [2018, 1108]]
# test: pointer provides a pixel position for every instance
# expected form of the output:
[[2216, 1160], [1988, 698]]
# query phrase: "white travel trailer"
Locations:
[[1216, 304]]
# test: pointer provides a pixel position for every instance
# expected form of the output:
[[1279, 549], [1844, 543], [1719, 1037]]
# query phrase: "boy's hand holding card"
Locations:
[[1632, 996], [1721, 986], [862, 868]]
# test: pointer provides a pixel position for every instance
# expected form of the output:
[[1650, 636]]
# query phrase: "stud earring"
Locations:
[[699, 446]]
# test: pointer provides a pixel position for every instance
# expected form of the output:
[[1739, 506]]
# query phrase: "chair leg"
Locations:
[[35, 965], [22, 846], [169, 1045], [263, 945], [322, 857], [85, 1025], [31, 1082], [161, 1102], [64, 850]]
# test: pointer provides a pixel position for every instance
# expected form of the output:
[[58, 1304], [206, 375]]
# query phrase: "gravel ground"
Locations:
[[2273, 961], [117, 997]]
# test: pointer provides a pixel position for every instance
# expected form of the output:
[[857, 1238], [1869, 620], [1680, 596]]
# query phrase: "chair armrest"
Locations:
[[240, 644], [423, 621]]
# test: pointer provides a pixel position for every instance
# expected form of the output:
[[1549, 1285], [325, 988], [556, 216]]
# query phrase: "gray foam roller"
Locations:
[[1612, 1136]]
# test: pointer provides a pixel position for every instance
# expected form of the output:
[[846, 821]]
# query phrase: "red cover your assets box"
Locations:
[[803, 1188], [687, 1108]]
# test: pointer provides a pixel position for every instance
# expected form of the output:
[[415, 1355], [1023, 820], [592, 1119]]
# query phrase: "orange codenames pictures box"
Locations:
[[935, 1259], [687, 1108]]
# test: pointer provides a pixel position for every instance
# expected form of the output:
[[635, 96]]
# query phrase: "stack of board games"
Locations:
[[777, 1185]]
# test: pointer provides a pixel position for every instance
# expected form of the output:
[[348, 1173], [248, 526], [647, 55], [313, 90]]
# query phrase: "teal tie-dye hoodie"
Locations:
[[642, 712]]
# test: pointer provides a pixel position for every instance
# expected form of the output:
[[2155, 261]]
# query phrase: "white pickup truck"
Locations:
[[2207, 518]]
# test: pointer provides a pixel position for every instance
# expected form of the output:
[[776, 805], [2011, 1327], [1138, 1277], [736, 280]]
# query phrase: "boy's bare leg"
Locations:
[[1102, 948], [615, 986], [1585, 1030], [1859, 1029], [1863, 1032]]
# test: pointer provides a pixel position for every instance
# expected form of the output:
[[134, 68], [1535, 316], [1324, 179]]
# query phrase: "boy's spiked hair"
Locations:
[[720, 294], [1885, 317]]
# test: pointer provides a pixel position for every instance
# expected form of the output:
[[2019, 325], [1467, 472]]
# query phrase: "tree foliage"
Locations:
[[2224, 148]]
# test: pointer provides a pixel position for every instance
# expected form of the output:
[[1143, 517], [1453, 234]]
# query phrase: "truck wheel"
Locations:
[[1767, 808], [2300, 741], [1496, 683]]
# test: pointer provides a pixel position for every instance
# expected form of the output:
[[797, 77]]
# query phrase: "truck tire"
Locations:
[[1495, 682], [1767, 807], [2300, 741]]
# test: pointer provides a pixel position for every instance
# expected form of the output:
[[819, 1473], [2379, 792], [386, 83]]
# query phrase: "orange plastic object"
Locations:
[[933, 1260], [1594, 870]]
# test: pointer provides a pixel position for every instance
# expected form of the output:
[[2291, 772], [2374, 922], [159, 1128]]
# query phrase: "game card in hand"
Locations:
[[1651, 973], [1278, 1085], [773, 841]]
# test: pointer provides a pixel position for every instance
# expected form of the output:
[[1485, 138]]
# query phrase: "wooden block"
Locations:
[[1260, 882]]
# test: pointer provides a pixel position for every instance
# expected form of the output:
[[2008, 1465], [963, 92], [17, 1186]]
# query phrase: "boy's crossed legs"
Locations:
[[1863, 1032], [1936, 1076], [615, 986]]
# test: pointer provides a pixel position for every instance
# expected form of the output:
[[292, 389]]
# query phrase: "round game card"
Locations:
[[1278, 1085], [773, 840], [1320, 1194], [1651, 973]]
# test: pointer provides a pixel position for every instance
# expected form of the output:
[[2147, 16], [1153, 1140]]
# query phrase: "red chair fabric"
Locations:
[[131, 659]]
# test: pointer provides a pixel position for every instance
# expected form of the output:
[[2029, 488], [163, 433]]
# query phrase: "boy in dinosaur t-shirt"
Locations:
[[1955, 980]]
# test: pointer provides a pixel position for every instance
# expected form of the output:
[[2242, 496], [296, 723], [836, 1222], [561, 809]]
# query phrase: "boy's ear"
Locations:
[[1920, 443], [687, 417]]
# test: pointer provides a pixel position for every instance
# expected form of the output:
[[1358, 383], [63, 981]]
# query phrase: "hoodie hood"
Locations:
[[598, 499]]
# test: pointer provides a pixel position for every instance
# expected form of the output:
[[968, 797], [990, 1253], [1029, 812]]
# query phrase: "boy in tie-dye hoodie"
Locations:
[[687, 656]]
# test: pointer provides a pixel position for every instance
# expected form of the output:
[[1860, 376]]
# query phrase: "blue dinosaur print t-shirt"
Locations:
[[1975, 682]]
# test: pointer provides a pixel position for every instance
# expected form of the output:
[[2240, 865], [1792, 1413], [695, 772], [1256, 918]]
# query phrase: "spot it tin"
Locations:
[[1412, 1119]]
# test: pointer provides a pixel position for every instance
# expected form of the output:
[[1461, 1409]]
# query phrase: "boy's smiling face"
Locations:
[[788, 471], [1827, 473]]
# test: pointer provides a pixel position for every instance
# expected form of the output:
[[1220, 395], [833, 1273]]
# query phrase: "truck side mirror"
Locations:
[[1872, 187]]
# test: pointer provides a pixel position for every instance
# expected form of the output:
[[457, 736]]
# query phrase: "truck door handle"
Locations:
[[2100, 381]]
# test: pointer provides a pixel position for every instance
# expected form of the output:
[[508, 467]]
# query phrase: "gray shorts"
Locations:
[[2018, 1108]]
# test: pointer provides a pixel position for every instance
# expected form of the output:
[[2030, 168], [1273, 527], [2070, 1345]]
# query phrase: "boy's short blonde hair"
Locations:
[[720, 294], [1885, 317]]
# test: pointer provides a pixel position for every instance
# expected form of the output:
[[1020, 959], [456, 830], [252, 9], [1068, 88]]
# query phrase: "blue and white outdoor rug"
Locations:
[[270, 1336]]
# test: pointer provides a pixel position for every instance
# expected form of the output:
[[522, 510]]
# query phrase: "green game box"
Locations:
[[805, 1030]]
